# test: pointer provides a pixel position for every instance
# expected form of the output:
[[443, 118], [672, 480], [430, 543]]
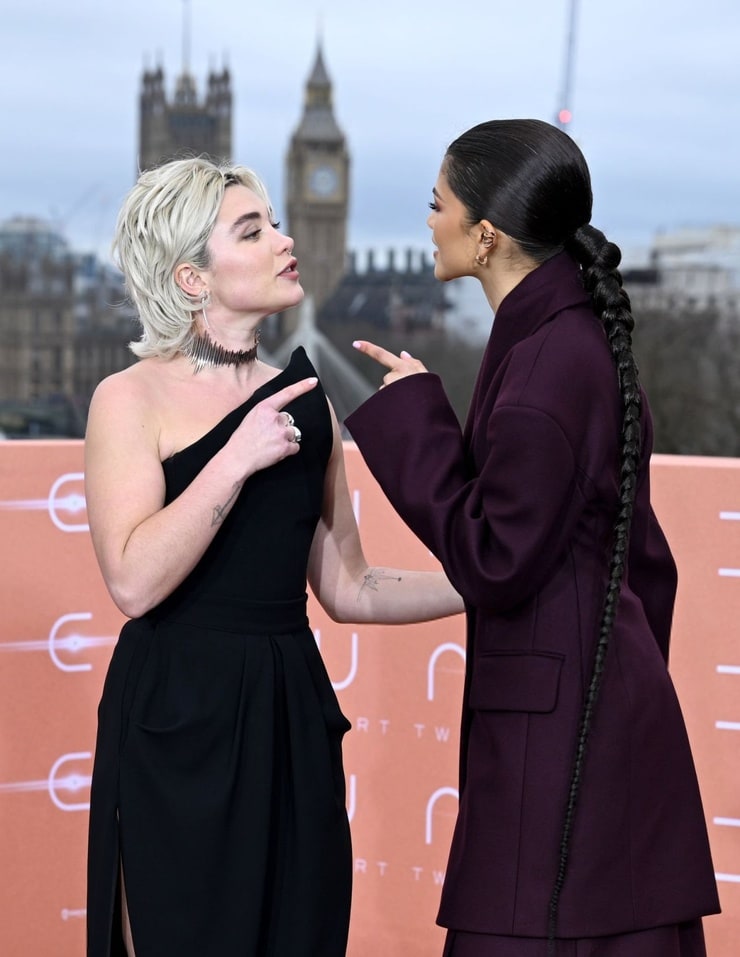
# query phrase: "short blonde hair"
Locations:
[[167, 219]]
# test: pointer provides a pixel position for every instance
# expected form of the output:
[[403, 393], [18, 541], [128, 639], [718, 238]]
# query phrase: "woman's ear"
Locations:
[[189, 280], [487, 235], [485, 239]]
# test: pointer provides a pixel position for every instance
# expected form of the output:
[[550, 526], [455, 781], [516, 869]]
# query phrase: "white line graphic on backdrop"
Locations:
[[351, 797], [72, 503], [439, 650], [728, 726], [68, 912], [439, 793], [73, 643], [354, 660], [54, 784], [729, 572]]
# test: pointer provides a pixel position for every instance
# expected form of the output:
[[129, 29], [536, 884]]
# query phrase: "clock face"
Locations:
[[323, 181]]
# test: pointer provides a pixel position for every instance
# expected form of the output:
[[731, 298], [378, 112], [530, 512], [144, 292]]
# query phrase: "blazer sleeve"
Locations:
[[499, 533]]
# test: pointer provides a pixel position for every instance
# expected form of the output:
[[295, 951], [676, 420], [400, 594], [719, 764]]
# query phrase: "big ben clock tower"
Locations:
[[318, 190]]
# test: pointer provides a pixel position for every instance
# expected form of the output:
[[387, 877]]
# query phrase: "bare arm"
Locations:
[[146, 549], [350, 590]]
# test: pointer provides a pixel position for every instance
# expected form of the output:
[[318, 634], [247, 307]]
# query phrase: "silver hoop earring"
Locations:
[[205, 300]]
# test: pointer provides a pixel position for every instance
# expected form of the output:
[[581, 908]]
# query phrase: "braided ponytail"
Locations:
[[599, 260]]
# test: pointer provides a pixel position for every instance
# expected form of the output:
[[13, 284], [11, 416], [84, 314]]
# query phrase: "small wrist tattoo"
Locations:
[[220, 512]]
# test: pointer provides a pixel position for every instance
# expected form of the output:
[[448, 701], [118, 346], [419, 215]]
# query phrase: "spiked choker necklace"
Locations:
[[203, 351]]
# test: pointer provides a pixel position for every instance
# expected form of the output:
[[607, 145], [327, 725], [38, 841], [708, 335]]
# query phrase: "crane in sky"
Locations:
[[564, 112]]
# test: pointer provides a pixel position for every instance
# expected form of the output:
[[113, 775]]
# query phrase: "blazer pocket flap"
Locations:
[[511, 681]]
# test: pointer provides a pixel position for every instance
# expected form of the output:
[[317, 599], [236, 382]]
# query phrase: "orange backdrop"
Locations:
[[399, 686]]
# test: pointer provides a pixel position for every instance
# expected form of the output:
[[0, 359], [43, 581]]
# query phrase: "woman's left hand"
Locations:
[[400, 366]]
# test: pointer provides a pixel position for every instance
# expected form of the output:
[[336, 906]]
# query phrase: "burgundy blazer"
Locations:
[[519, 510]]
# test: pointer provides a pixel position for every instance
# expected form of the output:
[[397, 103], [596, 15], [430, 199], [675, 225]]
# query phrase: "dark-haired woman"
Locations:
[[580, 829]]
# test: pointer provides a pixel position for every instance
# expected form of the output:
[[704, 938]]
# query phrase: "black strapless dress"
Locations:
[[218, 779]]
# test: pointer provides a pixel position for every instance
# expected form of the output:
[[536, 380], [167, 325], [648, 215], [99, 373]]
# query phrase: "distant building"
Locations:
[[37, 299], [183, 125], [317, 192], [699, 262], [64, 325], [691, 269], [105, 324], [401, 296]]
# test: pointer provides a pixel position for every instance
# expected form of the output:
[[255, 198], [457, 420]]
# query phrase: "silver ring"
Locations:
[[297, 437], [289, 420]]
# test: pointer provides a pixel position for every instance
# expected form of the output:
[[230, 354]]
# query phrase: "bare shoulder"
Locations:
[[125, 402], [122, 463], [131, 385]]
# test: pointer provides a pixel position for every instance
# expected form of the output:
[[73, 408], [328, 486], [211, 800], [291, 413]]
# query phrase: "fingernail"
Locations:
[[356, 344]]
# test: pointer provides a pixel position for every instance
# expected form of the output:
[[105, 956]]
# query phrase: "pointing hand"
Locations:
[[400, 366]]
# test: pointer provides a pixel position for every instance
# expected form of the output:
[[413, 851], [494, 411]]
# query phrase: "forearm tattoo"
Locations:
[[372, 579], [221, 511]]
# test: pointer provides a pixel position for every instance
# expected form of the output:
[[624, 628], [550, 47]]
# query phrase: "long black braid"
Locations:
[[531, 180], [599, 260]]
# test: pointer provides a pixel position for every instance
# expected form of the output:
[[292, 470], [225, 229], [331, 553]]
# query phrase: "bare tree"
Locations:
[[690, 366]]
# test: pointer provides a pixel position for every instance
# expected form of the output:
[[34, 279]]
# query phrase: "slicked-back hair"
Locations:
[[524, 176], [167, 219], [530, 180]]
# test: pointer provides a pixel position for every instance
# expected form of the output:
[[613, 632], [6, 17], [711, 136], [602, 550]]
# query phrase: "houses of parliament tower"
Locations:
[[317, 194], [184, 125]]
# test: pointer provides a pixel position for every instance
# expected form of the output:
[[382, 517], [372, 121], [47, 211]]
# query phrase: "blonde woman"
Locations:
[[216, 489]]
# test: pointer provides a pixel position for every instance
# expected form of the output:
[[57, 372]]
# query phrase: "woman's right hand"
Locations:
[[146, 547], [400, 366], [267, 434]]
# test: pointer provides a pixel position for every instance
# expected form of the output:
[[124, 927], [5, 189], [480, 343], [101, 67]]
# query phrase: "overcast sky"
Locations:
[[655, 100]]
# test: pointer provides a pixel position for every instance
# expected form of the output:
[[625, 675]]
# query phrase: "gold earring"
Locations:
[[483, 261]]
